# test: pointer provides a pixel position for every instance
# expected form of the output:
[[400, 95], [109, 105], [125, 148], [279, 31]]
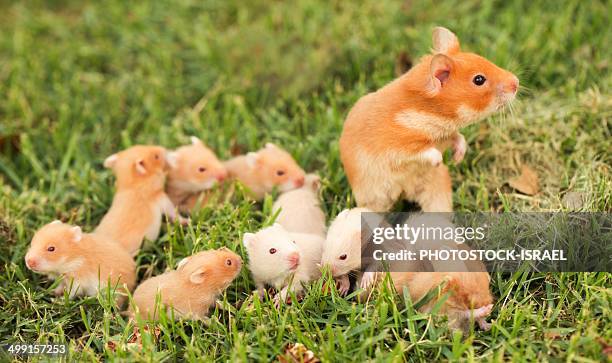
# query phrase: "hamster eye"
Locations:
[[50, 248], [156, 156], [293, 242], [228, 262], [280, 172], [479, 80], [342, 256], [201, 169], [272, 251]]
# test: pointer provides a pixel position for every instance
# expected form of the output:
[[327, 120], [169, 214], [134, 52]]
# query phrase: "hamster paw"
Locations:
[[482, 323], [59, 291], [184, 221], [432, 156], [459, 148], [343, 285], [277, 301], [367, 280]]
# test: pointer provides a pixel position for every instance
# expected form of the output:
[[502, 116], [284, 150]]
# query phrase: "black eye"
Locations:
[[228, 262], [293, 241], [156, 156], [280, 172], [479, 80], [272, 251], [342, 257], [50, 248], [201, 169]]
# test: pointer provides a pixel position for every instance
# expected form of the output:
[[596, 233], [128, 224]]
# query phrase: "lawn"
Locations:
[[81, 80]]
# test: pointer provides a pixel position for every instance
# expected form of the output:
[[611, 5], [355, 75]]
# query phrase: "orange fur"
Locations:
[[466, 291], [140, 200], [392, 139], [85, 262], [192, 288], [259, 171], [197, 170]]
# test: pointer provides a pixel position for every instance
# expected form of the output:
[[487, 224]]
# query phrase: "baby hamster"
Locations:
[[265, 169], [300, 209], [192, 288], [84, 262], [283, 260], [197, 170], [140, 200], [469, 294], [342, 250], [392, 140]]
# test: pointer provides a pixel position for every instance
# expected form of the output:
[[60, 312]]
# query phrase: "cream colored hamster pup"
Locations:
[[192, 288], [342, 251], [84, 262], [140, 200], [197, 170], [300, 209], [277, 257], [265, 169]]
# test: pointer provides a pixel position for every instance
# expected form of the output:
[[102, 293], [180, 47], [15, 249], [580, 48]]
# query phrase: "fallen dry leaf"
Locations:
[[527, 182], [574, 200], [135, 341], [297, 353]]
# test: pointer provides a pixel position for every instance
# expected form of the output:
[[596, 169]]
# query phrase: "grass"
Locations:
[[81, 80]]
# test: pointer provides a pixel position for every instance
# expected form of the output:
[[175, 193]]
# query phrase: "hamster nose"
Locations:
[[299, 181], [514, 84], [294, 258], [222, 176], [30, 262]]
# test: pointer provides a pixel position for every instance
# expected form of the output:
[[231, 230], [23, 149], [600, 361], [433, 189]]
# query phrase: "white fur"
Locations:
[[300, 209], [251, 159], [172, 159], [432, 156], [275, 269], [195, 140], [344, 237]]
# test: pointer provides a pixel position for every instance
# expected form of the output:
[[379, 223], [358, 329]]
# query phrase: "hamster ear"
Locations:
[[343, 214], [57, 221], [182, 263], [195, 141], [140, 166], [444, 41], [197, 277], [110, 161], [270, 145], [172, 159], [77, 233], [315, 181], [440, 69], [251, 159], [248, 239]]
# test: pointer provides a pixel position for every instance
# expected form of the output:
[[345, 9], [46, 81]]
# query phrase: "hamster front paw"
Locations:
[[432, 156], [59, 290], [482, 323], [343, 285], [459, 148], [367, 280]]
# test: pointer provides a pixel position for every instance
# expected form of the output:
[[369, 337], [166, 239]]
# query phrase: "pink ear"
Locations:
[[440, 70], [140, 166]]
